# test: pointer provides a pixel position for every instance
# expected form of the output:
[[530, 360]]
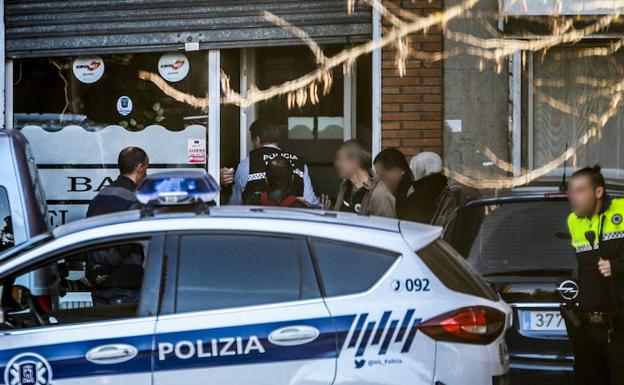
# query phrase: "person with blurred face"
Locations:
[[360, 192], [393, 170], [597, 233]]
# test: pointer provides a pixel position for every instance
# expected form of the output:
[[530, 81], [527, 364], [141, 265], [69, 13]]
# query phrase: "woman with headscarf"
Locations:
[[429, 181]]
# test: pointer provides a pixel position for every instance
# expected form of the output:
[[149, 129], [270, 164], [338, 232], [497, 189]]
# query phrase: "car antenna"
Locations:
[[563, 187]]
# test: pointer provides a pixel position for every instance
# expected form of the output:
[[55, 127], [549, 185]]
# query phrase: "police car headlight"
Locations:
[[177, 188]]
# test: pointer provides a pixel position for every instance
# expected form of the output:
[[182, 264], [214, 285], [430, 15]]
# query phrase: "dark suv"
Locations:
[[519, 242], [23, 208]]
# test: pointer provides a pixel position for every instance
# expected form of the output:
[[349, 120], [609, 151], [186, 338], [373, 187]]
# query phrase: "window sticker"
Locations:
[[88, 69], [173, 67], [196, 151], [124, 106]]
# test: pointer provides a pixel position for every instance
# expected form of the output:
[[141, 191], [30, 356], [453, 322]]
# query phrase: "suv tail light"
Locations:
[[474, 325]]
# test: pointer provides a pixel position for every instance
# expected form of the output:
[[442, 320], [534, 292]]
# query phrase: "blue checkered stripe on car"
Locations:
[[357, 333], [376, 337]]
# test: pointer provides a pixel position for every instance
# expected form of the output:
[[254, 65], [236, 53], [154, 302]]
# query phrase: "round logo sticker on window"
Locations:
[[173, 67], [88, 69], [124, 106]]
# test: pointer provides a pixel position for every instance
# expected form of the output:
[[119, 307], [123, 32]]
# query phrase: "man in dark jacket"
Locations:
[[115, 274], [279, 186], [119, 195]]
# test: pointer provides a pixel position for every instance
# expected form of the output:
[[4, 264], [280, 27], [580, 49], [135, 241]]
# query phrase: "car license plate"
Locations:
[[543, 320]]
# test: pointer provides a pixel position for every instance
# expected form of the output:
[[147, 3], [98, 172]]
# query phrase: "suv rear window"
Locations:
[[6, 225], [522, 236], [453, 271]]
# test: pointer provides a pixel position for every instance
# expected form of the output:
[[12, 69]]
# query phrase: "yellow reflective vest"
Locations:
[[601, 236]]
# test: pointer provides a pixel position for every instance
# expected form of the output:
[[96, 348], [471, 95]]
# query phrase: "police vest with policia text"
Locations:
[[258, 160], [601, 236]]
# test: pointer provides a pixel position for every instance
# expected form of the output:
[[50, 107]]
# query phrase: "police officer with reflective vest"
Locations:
[[249, 179], [597, 232]]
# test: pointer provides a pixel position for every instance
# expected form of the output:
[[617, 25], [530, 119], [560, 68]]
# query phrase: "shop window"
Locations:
[[314, 131], [79, 112], [557, 83]]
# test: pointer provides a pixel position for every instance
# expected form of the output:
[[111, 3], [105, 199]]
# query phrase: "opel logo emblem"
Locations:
[[568, 290]]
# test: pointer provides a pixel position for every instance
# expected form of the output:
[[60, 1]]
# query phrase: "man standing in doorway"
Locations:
[[250, 174], [597, 232], [115, 274], [119, 195]]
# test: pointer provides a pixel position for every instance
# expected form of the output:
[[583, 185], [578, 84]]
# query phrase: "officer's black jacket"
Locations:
[[258, 159]]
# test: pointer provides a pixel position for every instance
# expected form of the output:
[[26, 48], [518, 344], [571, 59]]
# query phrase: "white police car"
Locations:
[[241, 295]]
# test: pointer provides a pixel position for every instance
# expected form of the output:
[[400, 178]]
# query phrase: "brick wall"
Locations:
[[412, 105]]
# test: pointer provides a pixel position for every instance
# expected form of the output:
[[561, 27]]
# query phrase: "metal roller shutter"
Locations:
[[37, 28]]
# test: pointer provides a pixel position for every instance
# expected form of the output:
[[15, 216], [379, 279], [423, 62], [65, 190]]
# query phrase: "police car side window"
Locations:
[[218, 271], [95, 284], [349, 269], [454, 272]]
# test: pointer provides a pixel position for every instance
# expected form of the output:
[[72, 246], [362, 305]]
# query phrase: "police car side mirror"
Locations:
[[21, 296]]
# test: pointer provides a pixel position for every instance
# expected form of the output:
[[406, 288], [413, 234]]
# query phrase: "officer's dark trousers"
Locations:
[[596, 361]]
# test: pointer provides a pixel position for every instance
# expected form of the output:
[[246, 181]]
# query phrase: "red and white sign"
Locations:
[[88, 69], [196, 151], [173, 67]]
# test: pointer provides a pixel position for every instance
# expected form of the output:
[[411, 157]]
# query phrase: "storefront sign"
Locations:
[[196, 151], [88, 69], [173, 67], [74, 164], [124, 106]]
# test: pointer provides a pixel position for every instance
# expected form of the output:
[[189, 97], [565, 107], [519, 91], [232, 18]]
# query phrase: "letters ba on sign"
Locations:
[[74, 163]]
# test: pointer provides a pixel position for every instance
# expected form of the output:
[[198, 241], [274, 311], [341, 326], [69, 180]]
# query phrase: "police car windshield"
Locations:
[[522, 236]]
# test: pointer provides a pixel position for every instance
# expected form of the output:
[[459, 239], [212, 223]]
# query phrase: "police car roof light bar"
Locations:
[[198, 207], [191, 188]]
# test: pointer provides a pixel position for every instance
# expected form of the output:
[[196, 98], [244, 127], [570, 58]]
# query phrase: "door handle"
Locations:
[[111, 354], [293, 335]]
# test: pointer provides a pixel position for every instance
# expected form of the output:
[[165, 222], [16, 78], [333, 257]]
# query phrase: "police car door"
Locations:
[[242, 308], [77, 342]]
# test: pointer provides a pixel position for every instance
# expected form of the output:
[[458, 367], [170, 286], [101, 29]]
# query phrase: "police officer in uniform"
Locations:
[[249, 180], [597, 233]]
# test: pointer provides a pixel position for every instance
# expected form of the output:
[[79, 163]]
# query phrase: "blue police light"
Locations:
[[177, 188]]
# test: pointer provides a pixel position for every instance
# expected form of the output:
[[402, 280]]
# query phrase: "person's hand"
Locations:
[[100, 279], [226, 176], [326, 202], [85, 282], [605, 267]]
